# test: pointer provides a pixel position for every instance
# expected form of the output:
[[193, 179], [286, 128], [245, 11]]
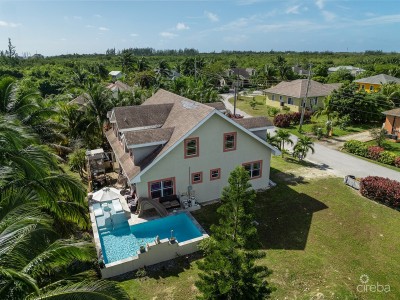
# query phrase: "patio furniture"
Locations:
[[97, 210], [171, 201], [117, 205]]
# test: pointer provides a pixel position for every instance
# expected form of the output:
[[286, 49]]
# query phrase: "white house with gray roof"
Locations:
[[171, 145]]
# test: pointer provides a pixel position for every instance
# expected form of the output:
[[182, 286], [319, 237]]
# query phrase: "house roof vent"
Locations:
[[189, 104]]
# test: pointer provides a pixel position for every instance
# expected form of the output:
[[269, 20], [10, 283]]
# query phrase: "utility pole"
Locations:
[[303, 103], [234, 99]]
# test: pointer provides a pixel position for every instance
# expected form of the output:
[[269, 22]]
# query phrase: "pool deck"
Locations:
[[155, 252]]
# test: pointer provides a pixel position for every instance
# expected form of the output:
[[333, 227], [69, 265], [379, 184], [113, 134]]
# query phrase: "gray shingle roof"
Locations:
[[393, 112], [378, 79], [120, 86], [297, 88], [255, 122], [141, 115], [217, 105], [139, 137]]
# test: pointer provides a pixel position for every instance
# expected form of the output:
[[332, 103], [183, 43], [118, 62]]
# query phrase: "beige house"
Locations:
[[171, 145], [292, 93]]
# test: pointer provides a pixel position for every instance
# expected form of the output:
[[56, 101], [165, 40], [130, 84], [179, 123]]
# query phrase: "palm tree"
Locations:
[[273, 140], [283, 136], [391, 91], [126, 59], [33, 170], [303, 146], [142, 64], [329, 111], [99, 101], [36, 264]]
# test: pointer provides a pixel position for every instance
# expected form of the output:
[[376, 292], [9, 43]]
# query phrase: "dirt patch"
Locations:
[[304, 173]]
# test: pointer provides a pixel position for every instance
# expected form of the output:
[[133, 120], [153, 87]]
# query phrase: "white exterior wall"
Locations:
[[140, 153], [211, 156]]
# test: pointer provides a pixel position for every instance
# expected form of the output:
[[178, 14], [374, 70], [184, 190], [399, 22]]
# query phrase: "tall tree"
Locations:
[[237, 211], [229, 271]]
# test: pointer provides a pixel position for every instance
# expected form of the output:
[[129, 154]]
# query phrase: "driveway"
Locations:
[[333, 161], [342, 164]]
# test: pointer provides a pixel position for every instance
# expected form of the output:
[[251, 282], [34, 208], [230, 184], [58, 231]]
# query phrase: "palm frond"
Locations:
[[12, 276], [86, 290]]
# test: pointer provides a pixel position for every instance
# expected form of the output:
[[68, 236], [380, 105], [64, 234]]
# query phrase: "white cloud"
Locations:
[[168, 35], [320, 3], [290, 26], [182, 26], [134, 34], [104, 28], [387, 19], [235, 39], [9, 24], [329, 16], [211, 16], [293, 9]]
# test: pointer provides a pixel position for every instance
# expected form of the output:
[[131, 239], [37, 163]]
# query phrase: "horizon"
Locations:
[[54, 28]]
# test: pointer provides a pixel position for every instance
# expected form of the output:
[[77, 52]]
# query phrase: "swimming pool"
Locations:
[[124, 241]]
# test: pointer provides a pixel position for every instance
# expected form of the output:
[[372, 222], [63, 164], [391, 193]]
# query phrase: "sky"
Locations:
[[64, 27]]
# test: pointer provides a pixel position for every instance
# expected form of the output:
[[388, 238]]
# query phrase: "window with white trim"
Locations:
[[254, 169], [161, 188]]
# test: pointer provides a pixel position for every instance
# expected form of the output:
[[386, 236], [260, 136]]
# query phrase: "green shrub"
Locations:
[[387, 157], [356, 147], [286, 109], [273, 111]]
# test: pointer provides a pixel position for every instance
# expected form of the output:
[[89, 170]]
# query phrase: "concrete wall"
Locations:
[[211, 156], [155, 253]]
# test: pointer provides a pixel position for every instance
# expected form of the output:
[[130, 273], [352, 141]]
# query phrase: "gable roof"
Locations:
[[255, 122], [119, 86], [173, 118], [147, 136], [217, 105], [393, 112], [140, 115], [242, 72], [297, 88], [378, 79]]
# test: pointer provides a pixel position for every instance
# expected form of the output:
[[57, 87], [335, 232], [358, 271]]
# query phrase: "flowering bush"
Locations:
[[282, 120], [387, 157], [397, 162], [381, 189], [374, 152]]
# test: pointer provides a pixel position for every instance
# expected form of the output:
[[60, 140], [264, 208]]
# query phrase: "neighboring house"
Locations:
[[374, 83], [241, 75], [117, 87], [115, 75], [171, 145], [292, 93], [218, 105], [353, 70], [392, 122], [300, 71]]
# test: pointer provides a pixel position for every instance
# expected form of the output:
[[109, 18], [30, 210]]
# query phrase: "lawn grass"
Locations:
[[319, 235], [243, 103]]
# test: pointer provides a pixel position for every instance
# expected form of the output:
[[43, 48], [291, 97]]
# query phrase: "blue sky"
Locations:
[[61, 27]]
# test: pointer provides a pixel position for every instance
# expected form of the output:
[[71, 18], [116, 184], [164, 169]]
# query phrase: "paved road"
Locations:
[[339, 163]]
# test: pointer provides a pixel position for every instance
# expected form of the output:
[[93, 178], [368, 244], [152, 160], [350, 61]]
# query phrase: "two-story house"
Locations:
[[292, 94], [171, 145]]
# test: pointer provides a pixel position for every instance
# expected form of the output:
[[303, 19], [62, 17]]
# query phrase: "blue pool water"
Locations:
[[124, 241]]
